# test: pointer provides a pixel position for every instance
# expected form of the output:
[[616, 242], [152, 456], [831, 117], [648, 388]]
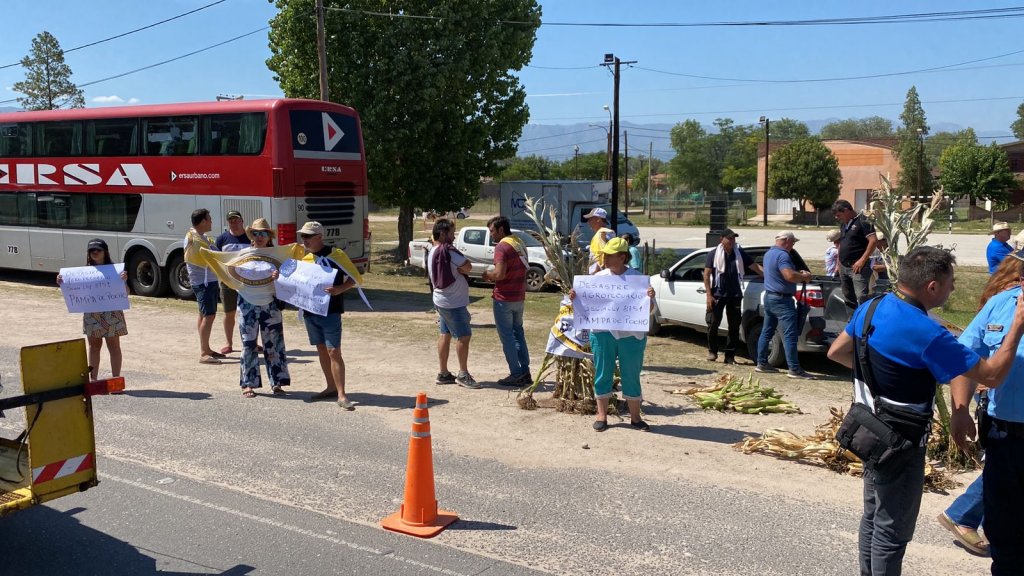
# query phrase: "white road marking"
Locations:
[[281, 525]]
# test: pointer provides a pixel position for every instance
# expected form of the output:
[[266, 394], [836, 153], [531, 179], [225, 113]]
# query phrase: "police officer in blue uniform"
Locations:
[[1002, 428], [908, 354]]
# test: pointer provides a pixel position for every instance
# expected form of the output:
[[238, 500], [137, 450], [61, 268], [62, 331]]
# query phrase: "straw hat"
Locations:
[[260, 224]]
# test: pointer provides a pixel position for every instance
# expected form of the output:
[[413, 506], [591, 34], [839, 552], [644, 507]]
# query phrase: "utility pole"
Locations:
[[767, 147], [625, 178], [321, 49], [650, 175], [612, 60]]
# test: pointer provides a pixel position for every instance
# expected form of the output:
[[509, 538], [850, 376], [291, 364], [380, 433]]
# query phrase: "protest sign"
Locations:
[[302, 284], [612, 302], [94, 288]]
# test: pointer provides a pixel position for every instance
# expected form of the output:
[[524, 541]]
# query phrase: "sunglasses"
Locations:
[[308, 236], [260, 233]]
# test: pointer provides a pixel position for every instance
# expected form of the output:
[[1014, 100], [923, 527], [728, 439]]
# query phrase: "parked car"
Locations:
[[682, 300], [476, 244]]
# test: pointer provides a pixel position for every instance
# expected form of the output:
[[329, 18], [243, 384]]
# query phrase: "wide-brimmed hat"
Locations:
[[1000, 226], [615, 246], [312, 229], [787, 235], [262, 225]]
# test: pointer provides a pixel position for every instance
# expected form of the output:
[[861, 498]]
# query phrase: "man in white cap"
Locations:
[[597, 219], [780, 280], [998, 247], [325, 331]]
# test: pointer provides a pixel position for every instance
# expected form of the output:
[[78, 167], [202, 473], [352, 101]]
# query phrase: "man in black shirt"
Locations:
[[723, 270], [856, 245]]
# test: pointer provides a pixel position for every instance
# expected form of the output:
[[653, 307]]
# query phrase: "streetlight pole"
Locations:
[[767, 147], [608, 152], [614, 61], [576, 161], [920, 165]]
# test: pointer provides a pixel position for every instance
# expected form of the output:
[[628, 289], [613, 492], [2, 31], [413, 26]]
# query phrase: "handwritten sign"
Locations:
[[302, 284], [94, 288], [611, 302]]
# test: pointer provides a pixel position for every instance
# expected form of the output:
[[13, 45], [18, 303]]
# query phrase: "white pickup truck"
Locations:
[[476, 244], [682, 300]]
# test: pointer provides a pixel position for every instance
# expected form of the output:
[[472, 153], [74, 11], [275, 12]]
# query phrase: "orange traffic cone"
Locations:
[[419, 514]]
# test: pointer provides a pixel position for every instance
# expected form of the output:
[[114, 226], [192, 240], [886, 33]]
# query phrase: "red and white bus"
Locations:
[[133, 175]]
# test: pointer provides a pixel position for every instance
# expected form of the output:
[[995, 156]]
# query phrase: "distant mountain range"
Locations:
[[556, 141], [9, 109]]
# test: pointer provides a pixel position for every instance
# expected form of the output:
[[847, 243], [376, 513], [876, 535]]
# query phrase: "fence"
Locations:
[[695, 213]]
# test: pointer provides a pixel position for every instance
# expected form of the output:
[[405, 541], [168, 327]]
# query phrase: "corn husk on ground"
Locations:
[[746, 396], [821, 449]]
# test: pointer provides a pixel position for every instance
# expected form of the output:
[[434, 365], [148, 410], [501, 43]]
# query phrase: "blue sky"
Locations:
[[983, 95]]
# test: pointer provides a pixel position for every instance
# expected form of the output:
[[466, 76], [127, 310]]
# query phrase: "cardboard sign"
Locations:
[[302, 284], [94, 288], [611, 302]]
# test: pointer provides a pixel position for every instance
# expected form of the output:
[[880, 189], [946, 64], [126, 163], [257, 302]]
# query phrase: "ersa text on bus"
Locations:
[[75, 174]]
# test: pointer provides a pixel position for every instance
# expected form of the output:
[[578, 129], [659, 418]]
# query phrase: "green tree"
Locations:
[[1018, 124], [713, 162], [915, 172], [786, 129], [858, 129], [977, 172], [531, 167], [935, 144], [438, 96], [47, 84], [806, 170]]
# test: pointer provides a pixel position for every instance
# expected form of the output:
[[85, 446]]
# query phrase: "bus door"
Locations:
[[46, 239], [17, 212]]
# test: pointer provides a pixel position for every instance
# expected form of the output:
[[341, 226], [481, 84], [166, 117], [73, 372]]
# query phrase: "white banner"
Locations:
[[612, 302], [302, 284], [94, 288]]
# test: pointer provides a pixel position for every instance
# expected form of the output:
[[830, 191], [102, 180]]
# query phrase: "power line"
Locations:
[[560, 135], [161, 63], [123, 34], [792, 109], [912, 18], [534, 150], [836, 79]]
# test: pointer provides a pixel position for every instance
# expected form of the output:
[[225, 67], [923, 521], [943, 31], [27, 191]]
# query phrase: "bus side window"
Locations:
[[15, 140], [171, 136], [60, 138]]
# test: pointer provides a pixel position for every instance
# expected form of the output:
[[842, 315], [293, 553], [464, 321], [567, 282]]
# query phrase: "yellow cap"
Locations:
[[615, 246]]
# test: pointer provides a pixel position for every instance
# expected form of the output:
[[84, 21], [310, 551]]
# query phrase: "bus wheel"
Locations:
[[145, 275], [177, 274]]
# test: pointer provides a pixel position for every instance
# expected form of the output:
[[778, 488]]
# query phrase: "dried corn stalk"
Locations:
[[821, 449]]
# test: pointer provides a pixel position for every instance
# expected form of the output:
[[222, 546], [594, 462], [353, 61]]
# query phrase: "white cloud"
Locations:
[[134, 100], [9, 88], [108, 99]]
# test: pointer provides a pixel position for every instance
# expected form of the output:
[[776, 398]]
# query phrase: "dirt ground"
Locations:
[[384, 356]]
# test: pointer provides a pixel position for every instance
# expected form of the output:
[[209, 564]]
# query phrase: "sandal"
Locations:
[[346, 405], [208, 360], [226, 350], [217, 355], [641, 426], [323, 395], [600, 425], [278, 391], [248, 393]]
